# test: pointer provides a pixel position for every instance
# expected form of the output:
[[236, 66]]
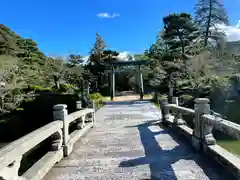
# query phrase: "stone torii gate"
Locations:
[[113, 68]]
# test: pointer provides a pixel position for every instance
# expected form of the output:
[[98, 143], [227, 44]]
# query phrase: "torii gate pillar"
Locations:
[[112, 84], [140, 77]]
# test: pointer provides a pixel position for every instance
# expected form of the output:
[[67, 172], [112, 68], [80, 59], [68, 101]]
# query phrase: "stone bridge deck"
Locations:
[[128, 143]]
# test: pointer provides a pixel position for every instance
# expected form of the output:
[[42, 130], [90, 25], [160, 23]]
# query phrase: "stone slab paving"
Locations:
[[128, 143]]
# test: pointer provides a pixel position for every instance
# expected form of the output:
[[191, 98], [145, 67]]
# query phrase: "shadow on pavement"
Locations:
[[161, 161]]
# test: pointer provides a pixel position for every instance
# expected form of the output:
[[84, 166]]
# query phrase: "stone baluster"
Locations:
[[60, 113], [207, 128], [165, 111], [79, 105], [81, 120], [11, 171], [178, 120], [175, 100], [91, 105], [93, 117], [57, 140], [82, 124], [202, 132], [175, 112]]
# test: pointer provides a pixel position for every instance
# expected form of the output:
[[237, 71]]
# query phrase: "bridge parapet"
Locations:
[[62, 143], [201, 135]]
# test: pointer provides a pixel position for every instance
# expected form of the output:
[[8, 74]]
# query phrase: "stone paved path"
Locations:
[[128, 143]]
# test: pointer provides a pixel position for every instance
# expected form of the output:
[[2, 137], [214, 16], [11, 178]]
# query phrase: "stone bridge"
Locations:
[[127, 140]]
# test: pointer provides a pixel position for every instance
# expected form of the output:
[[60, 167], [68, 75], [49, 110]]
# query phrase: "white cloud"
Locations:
[[107, 15], [115, 15], [85, 59], [238, 24], [232, 32], [125, 56]]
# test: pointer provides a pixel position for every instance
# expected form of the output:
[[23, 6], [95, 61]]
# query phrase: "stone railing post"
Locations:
[[80, 121], [165, 111], [93, 114], [207, 135], [93, 117], [91, 105], [175, 100], [60, 113], [202, 132], [177, 114], [79, 105]]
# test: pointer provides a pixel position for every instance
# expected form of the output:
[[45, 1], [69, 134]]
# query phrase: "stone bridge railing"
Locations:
[[62, 143], [201, 135]]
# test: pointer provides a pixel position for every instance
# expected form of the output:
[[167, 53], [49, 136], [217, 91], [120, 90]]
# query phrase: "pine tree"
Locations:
[[98, 48], [208, 15], [74, 60], [179, 32]]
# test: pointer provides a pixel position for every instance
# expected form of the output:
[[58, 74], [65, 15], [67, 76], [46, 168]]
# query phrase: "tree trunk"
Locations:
[[208, 24], [183, 52], [56, 82]]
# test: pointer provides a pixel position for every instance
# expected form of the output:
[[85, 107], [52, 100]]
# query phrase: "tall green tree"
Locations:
[[56, 69], [159, 50], [74, 60], [95, 67], [139, 57], [208, 15], [179, 32], [96, 52], [11, 83]]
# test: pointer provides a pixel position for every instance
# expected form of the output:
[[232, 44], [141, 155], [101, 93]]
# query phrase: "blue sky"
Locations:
[[62, 27]]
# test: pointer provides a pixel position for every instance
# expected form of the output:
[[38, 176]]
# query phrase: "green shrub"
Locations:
[[163, 97], [36, 88], [186, 100], [19, 109], [64, 88], [235, 77], [186, 97], [16, 91], [96, 96]]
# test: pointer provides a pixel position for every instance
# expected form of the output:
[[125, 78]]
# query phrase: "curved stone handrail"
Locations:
[[14, 150], [181, 109], [228, 127], [73, 116], [62, 143]]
